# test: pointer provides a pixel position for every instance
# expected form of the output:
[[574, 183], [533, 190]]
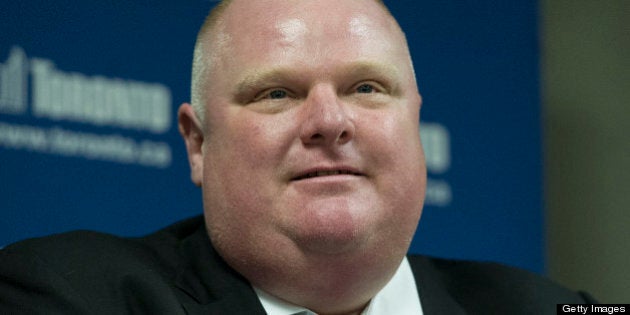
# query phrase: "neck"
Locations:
[[329, 286]]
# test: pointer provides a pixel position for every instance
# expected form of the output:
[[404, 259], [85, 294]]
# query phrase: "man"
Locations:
[[302, 135]]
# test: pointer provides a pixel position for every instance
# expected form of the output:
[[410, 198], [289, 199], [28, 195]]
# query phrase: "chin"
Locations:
[[335, 235], [332, 242]]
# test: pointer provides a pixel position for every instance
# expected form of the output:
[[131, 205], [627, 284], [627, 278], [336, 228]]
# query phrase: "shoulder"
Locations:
[[76, 271], [70, 248], [82, 247], [482, 286]]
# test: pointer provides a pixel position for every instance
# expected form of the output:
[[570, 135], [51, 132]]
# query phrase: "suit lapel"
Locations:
[[434, 296], [208, 285]]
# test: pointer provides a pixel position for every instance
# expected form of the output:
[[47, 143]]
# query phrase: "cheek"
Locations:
[[247, 142], [232, 185], [241, 161], [240, 180], [391, 136], [392, 147]]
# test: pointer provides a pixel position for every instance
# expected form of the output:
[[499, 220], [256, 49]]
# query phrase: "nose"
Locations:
[[325, 119]]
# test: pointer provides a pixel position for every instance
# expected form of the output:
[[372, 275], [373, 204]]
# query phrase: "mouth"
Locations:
[[322, 173]]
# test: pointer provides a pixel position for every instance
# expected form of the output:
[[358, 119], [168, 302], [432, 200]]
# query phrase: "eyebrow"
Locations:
[[369, 69], [385, 73], [259, 78]]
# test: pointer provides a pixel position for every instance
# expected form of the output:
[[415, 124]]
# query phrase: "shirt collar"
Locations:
[[398, 296]]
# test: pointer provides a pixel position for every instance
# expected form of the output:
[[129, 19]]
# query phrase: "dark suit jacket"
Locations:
[[176, 271]]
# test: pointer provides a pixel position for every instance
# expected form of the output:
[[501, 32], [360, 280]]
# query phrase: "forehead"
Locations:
[[263, 13], [289, 23], [318, 37]]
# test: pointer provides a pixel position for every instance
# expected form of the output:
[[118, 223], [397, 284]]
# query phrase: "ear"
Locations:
[[192, 132]]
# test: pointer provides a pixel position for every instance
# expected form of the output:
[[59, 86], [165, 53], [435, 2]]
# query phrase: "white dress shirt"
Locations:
[[398, 296]]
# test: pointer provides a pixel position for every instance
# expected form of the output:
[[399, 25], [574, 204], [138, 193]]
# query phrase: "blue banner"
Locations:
[[88, 137]]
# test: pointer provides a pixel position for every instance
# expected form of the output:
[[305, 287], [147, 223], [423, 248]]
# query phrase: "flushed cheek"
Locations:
[[252, 143], [239, 196], [243, 165], [384, 136], [395, 153]]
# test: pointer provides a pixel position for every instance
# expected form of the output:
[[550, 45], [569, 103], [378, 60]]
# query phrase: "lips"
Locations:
[[326, 172]]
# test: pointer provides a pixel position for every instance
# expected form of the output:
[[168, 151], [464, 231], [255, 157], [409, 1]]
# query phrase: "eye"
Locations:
[[365, 88], [272, 94], [276, 94]]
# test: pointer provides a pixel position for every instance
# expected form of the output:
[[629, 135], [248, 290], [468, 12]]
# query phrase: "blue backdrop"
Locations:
[[88, 138]]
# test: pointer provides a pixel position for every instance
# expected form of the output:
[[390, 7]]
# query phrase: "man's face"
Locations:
[[311, 143]]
